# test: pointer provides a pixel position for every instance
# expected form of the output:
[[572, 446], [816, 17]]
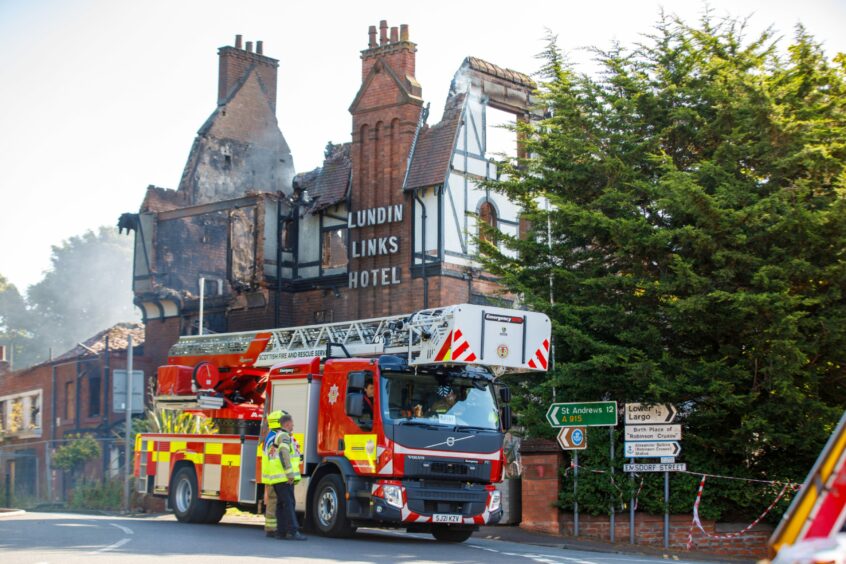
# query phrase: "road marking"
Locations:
[[126, 530], [118, 544]]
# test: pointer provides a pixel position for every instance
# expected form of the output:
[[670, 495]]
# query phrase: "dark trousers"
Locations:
[[286, 516]]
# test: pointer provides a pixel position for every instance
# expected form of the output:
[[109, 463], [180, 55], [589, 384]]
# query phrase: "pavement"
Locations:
[[506, 533], [513, 533]]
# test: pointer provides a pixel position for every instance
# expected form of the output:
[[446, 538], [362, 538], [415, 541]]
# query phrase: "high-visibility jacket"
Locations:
[[284, 440], [271, 466]]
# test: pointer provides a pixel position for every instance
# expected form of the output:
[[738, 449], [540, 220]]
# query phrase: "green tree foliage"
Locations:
[[88, 289], [15, 324], [74, 454], [696, 251]]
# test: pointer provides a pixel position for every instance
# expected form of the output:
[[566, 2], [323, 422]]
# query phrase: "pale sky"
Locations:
[[100, 98]]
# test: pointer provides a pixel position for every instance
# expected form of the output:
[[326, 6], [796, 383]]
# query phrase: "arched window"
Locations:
[[487, 214]]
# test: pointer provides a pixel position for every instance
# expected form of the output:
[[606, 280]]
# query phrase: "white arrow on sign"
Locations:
[[572, 438], [643, 413], [645, 449], [653, 432]]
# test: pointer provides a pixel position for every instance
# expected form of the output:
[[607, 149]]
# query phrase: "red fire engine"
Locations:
[[399, 419]]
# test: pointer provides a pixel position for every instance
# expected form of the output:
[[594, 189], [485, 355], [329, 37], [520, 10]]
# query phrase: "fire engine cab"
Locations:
[[399, 420]]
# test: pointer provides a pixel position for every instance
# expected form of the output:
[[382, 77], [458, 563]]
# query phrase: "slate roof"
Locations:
[[329, 184], [118, 341], [430, 162]]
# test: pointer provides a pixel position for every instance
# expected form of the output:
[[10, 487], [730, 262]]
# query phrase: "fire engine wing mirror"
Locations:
[[505, 394], [355, 404], [355, 380], [505, 413]]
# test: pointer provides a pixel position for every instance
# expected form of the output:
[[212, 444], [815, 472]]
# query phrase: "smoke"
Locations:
[[88, 289]]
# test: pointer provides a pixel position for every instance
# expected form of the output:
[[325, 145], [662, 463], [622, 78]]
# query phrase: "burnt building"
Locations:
[[387, 225], [71, 394]]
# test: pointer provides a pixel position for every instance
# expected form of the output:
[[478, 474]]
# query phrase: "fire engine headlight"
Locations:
[[393, 495], [496, 500]]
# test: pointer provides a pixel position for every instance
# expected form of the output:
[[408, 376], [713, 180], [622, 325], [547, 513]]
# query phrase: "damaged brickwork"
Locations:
[[277, 248]]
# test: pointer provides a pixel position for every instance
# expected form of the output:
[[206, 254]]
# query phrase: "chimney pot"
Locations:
[[237, 41], [371, 33], [249, 46], [383, 32], [394, 35], [404, 32], [260, 47]]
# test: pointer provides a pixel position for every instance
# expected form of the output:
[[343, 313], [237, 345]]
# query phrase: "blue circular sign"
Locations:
[[578, 437]]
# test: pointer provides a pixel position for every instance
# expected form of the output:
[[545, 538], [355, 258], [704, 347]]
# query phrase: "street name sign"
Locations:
[[678, 467], [653, 432], [644, 449], [572, 438], [643, 413], [584, 414]]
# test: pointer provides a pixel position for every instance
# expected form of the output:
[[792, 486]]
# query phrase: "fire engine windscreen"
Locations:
[[428, 400]]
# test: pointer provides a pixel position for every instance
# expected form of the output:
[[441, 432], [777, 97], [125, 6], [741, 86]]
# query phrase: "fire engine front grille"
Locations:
[[446, 469], [449, 468], [427, 499]]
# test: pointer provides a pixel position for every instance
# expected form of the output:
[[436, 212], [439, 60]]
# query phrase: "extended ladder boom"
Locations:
[[503, 339]]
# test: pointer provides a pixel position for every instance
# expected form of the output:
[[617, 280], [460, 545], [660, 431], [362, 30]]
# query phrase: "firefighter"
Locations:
[[271, 472], [289, 463]]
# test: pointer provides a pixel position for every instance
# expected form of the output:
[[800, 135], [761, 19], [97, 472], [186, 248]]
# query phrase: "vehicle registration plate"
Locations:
[[445, 518]]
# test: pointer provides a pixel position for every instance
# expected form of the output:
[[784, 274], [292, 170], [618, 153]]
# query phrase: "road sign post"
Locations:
[[583, 414]]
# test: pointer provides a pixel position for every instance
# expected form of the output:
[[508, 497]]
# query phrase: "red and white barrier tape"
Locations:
[[698, 523]]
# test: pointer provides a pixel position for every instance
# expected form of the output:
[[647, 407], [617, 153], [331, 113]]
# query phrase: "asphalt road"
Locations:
[[39, 538]]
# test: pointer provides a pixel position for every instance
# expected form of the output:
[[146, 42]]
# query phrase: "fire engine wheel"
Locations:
[[215, 512], [185, 499], [447, 534], [330, 507]]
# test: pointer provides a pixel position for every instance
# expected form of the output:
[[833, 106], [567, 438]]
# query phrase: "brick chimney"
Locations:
[[396, 50], [235, 62], [385, 113]]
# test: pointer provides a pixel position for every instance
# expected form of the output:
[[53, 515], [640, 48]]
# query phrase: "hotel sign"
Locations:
[[374, 246]]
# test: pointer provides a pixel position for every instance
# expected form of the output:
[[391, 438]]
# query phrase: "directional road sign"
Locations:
[[586, 414], [572, 438], [643, 413], [644, 449], [679, 467], [653, 432]]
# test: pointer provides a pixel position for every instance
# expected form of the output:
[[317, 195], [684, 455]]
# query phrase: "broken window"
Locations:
[[334, 249], [500, 137], [69, 411], [34, 419], [16, 419], [286, 236], [242, 240], [94, 396], [487, 215]]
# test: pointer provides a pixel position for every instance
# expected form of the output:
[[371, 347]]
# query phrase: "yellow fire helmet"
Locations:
[[273, 419]]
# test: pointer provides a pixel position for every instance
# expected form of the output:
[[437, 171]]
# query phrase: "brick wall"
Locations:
[[542, 462], [541, 471], [649, 530]]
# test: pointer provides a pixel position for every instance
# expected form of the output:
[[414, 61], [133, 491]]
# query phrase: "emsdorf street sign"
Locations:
[[645, 449], [677, 467], [653, 432], [583, 414], [643, 413]]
